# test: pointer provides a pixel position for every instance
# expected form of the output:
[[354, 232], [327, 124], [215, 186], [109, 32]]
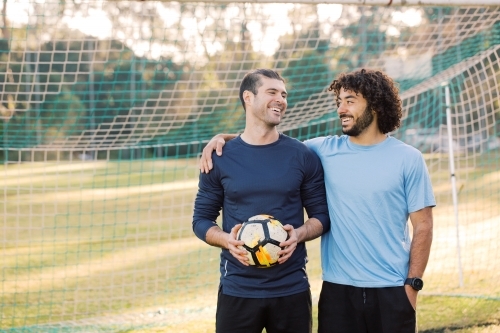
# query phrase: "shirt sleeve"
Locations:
[[314, 144], [418, 187], [313, 190], [208, 203]]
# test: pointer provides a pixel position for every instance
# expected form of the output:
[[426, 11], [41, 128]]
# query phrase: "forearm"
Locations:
[[310, 230], [217, 237], [420, 247]]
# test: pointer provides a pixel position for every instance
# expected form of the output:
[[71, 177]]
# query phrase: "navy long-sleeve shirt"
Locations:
[[279, 179]]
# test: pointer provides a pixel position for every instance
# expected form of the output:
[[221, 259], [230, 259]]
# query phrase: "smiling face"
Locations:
[[353, 113], [269, 104]]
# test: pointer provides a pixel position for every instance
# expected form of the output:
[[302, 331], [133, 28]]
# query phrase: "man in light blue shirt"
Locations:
[[372, 267], [371, 191]]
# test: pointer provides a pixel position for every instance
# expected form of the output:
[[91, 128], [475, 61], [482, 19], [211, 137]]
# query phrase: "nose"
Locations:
[[341, 108], [281, 100]]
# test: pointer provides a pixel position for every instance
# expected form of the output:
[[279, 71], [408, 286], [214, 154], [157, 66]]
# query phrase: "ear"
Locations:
[[247, 97]]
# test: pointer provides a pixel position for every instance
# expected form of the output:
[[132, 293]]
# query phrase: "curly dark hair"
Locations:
[[379, 90]]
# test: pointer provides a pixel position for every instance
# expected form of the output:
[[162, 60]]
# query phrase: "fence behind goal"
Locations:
[[106, 105]]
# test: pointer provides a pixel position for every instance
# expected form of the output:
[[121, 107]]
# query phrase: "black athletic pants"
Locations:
[[288, 314], [348, 309]]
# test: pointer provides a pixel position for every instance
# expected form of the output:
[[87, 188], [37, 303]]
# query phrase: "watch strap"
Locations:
[[411, 282]]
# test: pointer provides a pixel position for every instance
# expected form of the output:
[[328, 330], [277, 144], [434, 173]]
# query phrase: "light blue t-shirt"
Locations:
[[370, 190]]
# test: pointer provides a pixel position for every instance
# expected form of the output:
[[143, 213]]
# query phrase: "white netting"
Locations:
[[105, 106]]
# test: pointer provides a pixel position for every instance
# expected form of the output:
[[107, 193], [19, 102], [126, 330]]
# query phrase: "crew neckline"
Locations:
[[356, 146], [280, 136]]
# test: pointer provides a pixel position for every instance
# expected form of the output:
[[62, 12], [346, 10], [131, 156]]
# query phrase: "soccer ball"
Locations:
[[262, 235]]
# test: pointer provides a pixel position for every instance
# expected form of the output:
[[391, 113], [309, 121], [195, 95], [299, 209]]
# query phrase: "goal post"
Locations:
[[105, 107]]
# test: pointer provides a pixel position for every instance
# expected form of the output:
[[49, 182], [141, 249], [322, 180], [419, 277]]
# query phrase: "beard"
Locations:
[[360, 125]]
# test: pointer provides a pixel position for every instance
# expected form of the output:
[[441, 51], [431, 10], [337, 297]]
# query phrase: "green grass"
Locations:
[[87, 240], [436, 314]]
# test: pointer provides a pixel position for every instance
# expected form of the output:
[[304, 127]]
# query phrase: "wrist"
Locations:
[[415, 282]]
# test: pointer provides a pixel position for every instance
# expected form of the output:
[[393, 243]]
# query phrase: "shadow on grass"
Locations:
[[450, 329]]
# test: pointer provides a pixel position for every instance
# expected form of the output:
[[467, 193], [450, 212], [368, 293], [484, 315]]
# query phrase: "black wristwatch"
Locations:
[[416, 283]]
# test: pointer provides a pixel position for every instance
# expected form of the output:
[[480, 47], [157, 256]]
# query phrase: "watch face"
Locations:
[[418, 284]]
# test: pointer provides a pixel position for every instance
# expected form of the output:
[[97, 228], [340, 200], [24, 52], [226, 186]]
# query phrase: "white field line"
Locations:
[[42, 168], [110, 193], [65, 167], [52, 179]]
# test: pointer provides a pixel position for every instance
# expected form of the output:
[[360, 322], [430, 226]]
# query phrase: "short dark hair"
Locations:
[[380, 92], [251, 81]]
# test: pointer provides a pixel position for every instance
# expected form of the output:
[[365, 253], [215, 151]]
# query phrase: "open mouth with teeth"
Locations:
[[346, 119]]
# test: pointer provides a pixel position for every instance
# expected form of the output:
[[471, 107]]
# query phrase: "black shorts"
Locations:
[[348, 309], [288, 314]]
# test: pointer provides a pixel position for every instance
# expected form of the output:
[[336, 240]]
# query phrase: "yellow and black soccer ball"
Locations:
[[262, 235]]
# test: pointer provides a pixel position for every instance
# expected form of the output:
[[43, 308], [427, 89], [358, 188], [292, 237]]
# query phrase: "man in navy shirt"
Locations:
[[263, 171]]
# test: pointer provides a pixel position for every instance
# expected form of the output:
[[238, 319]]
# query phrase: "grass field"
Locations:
[[109, 244]]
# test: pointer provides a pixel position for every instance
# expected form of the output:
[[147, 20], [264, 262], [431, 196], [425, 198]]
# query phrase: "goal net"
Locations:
[[106, 105]]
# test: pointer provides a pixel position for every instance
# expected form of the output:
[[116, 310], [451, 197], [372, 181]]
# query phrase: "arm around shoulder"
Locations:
[[216, 143]]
